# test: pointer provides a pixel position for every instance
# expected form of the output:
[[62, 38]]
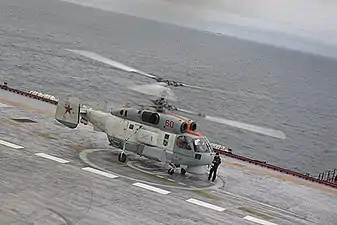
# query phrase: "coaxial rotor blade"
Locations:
[[157, 89], [125, 68], [114, 64], [257, 129], [189, 112], [194, 87], [245, 94]]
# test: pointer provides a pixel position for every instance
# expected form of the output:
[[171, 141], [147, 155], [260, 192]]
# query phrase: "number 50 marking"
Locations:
[[169, 123]]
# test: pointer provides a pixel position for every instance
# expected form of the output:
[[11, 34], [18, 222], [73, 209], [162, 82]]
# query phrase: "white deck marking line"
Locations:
[[151, 188], [43, 155], [256, 220], [181, 183], [207, 205], [109, 175], [11, 145], [4, 105]]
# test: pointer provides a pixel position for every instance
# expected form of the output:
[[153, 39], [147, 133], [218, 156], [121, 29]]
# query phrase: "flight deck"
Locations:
[[54, 175]]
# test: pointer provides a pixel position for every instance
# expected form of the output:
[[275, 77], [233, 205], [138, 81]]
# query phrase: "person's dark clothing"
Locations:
[[215, 164]]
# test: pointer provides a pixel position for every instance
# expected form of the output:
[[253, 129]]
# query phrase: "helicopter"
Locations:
[[152, 131]]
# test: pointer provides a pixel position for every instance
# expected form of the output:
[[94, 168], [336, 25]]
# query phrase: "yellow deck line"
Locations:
[[24, 106], [284, 177]]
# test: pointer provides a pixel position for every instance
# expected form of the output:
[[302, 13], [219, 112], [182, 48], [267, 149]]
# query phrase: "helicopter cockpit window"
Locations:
[[184, 142], [201, 145]]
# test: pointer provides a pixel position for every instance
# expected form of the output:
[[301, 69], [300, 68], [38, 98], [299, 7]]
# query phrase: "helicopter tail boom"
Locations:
[[68, 112]]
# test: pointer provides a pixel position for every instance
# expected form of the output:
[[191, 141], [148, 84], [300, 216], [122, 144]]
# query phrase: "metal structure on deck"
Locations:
[[328, 176]]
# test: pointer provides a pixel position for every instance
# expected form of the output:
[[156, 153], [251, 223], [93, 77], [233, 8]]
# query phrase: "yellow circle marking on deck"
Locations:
[[283, 177], [21, 105]]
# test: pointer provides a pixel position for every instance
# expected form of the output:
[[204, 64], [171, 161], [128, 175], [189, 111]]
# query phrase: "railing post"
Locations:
[[328, 178], [333, 175]]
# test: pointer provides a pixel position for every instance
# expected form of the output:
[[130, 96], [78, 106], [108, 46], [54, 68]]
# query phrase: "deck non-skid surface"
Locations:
[[46, 181]]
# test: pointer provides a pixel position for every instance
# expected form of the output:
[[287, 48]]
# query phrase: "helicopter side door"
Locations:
[[183, 147]]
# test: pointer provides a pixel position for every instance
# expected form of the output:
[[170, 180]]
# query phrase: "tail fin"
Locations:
[[68, 112]]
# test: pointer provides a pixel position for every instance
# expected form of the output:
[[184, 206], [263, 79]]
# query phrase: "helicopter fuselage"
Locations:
[[158, 136], [156, 143]]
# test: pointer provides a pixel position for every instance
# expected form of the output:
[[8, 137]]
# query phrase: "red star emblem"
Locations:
[[68, 108]]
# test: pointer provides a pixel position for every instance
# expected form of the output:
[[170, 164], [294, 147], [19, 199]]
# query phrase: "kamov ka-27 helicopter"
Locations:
[[154, 131]]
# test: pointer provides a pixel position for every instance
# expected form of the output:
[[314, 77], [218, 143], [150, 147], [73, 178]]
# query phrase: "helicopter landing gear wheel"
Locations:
[[122, 157], [182, 171], [171, 171]]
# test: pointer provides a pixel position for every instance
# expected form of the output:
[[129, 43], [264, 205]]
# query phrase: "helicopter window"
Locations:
[[121, 112], [167, 136], [201, 145], [184, 142], [131, 126], [126, 113]]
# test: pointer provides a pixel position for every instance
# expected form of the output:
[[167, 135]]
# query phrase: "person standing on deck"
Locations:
[[215, 164]]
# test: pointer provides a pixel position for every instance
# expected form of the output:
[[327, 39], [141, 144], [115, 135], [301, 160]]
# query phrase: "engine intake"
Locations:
[[193, 126], [183, 127], [150, 117]]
